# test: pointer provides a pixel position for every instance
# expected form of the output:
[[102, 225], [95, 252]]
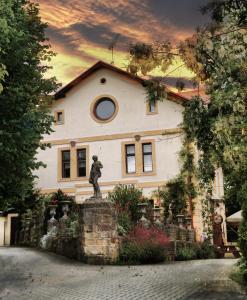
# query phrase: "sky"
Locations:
[[80, 31]]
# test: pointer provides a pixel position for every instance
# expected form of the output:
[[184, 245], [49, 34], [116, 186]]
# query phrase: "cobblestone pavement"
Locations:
[[30, 274]]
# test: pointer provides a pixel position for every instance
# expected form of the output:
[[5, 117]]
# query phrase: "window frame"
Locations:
[[130, 155], [148, 111], [143, 156], [60, 164], [139, 158], [73, 164], [56, 113], [93, 107], [86, 160]]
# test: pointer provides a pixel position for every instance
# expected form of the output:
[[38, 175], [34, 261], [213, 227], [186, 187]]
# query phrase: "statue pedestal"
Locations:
[[99, 242]]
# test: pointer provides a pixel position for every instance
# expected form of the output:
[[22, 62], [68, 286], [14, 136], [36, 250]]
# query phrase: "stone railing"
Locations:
[[97, 240]]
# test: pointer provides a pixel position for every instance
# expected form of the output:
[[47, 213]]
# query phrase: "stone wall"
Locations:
[[99, 242], [65, 246], [176, 233]]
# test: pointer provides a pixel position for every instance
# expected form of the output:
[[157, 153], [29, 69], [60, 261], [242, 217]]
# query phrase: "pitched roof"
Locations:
[[101, 64], [192, 93]]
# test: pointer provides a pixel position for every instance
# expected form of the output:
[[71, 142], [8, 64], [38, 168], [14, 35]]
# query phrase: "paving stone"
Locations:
[[31, 274]]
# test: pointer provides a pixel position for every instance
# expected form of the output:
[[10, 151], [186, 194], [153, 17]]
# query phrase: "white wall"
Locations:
[[2, 225], [131, 97], [131, 117]]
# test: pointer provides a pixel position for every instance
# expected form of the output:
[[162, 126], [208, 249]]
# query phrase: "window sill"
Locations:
[[139, 174], [151, 113], [73, 179]]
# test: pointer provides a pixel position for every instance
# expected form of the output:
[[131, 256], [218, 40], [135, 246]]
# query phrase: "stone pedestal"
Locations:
[[99, 242]]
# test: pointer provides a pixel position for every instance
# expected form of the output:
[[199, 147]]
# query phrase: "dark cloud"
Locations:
[[124, 16], [99, 34], [67, 42], [184, 14]]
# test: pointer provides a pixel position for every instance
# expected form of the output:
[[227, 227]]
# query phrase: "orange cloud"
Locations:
[[81, 31]]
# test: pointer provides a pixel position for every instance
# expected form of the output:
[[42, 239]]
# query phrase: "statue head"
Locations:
[[94, 158]]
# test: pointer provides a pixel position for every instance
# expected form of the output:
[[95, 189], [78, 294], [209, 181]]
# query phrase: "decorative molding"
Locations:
[[65, 190], [109, 183], [147, 184], [117, 136]]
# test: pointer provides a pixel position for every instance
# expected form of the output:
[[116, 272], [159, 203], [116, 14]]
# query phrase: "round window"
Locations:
[[104, 109]]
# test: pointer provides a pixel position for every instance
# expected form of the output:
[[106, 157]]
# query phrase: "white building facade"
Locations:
[[105, 112]]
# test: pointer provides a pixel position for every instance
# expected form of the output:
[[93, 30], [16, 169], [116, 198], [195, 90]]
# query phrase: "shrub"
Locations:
[[174, 196], [143, 246], [242, 240], [206, 250], [186, 253], [126, 199]]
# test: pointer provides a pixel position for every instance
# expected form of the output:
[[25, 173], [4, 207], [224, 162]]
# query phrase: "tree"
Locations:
[[217, 54], [24, 117]]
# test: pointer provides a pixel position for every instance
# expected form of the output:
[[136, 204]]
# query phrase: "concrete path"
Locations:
[[30, 274]]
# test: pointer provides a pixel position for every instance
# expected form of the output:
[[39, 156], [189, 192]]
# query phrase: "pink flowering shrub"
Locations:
[[144, 245], [141, 235]]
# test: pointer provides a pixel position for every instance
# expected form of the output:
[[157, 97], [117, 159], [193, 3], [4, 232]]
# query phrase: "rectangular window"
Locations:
[[147, 157], [59, 117], [81, 163], [130, 159], [65, 164], [152, 106]]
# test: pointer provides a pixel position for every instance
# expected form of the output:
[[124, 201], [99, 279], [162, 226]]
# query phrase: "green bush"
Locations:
[[124, 223], [126, 199], [243, 233], [148, 253], [196, 251], [205, 251], [174, 195], [186, 253]]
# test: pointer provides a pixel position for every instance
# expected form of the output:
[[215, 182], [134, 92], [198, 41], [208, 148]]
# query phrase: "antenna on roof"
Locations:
[[112, 46]]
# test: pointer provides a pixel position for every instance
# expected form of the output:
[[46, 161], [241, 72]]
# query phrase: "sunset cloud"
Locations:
[[81, 31]]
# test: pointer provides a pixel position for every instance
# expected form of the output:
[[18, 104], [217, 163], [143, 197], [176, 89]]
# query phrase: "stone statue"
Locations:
[[169, 219], [95, 174]]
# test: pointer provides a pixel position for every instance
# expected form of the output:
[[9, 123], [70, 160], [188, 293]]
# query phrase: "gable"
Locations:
[[102, 65], [131, 108]]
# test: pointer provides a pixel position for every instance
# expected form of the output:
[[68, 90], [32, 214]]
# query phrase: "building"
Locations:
[[104, 112]]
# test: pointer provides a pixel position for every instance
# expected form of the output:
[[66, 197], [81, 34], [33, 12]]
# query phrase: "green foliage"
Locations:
[[59, 196], [240, 274], [34, 216], [155, 91], [186, 253], [203, 250], [145, 58], [124, 222], [174, 195], [131, 253], [217, 54], [126, 199], [73, 222], [24, 100], [219, 127], [243, 231]]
